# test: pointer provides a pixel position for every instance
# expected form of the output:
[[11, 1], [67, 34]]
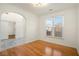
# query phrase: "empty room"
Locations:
[[39, 29]]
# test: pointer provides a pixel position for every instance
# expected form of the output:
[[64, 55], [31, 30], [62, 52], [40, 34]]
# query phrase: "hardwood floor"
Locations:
[[37, 48]]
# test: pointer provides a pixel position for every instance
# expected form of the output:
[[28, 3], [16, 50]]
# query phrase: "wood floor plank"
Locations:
[[37, 48]]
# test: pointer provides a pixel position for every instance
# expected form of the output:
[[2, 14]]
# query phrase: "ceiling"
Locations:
[[50, 7]]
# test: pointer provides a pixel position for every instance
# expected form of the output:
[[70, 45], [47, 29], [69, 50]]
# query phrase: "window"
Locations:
[[54, 27]]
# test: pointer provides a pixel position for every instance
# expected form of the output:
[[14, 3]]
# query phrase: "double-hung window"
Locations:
[[54, 27]]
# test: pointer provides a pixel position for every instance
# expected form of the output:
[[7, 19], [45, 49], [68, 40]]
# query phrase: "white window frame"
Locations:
[[53, 26]]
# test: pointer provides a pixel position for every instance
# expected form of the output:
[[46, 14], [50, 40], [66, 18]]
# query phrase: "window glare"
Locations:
[[49, 22], [58, 20]]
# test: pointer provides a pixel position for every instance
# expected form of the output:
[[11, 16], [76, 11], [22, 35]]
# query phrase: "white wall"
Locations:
[[70, 34], [3, 32], [30, 28], [78, 29], [12, 28]]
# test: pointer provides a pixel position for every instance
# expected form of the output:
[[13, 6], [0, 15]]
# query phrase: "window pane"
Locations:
[[58, 20], [58, 26], [49, 24]]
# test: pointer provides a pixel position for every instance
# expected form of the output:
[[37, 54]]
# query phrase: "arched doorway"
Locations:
[[12, 26]]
